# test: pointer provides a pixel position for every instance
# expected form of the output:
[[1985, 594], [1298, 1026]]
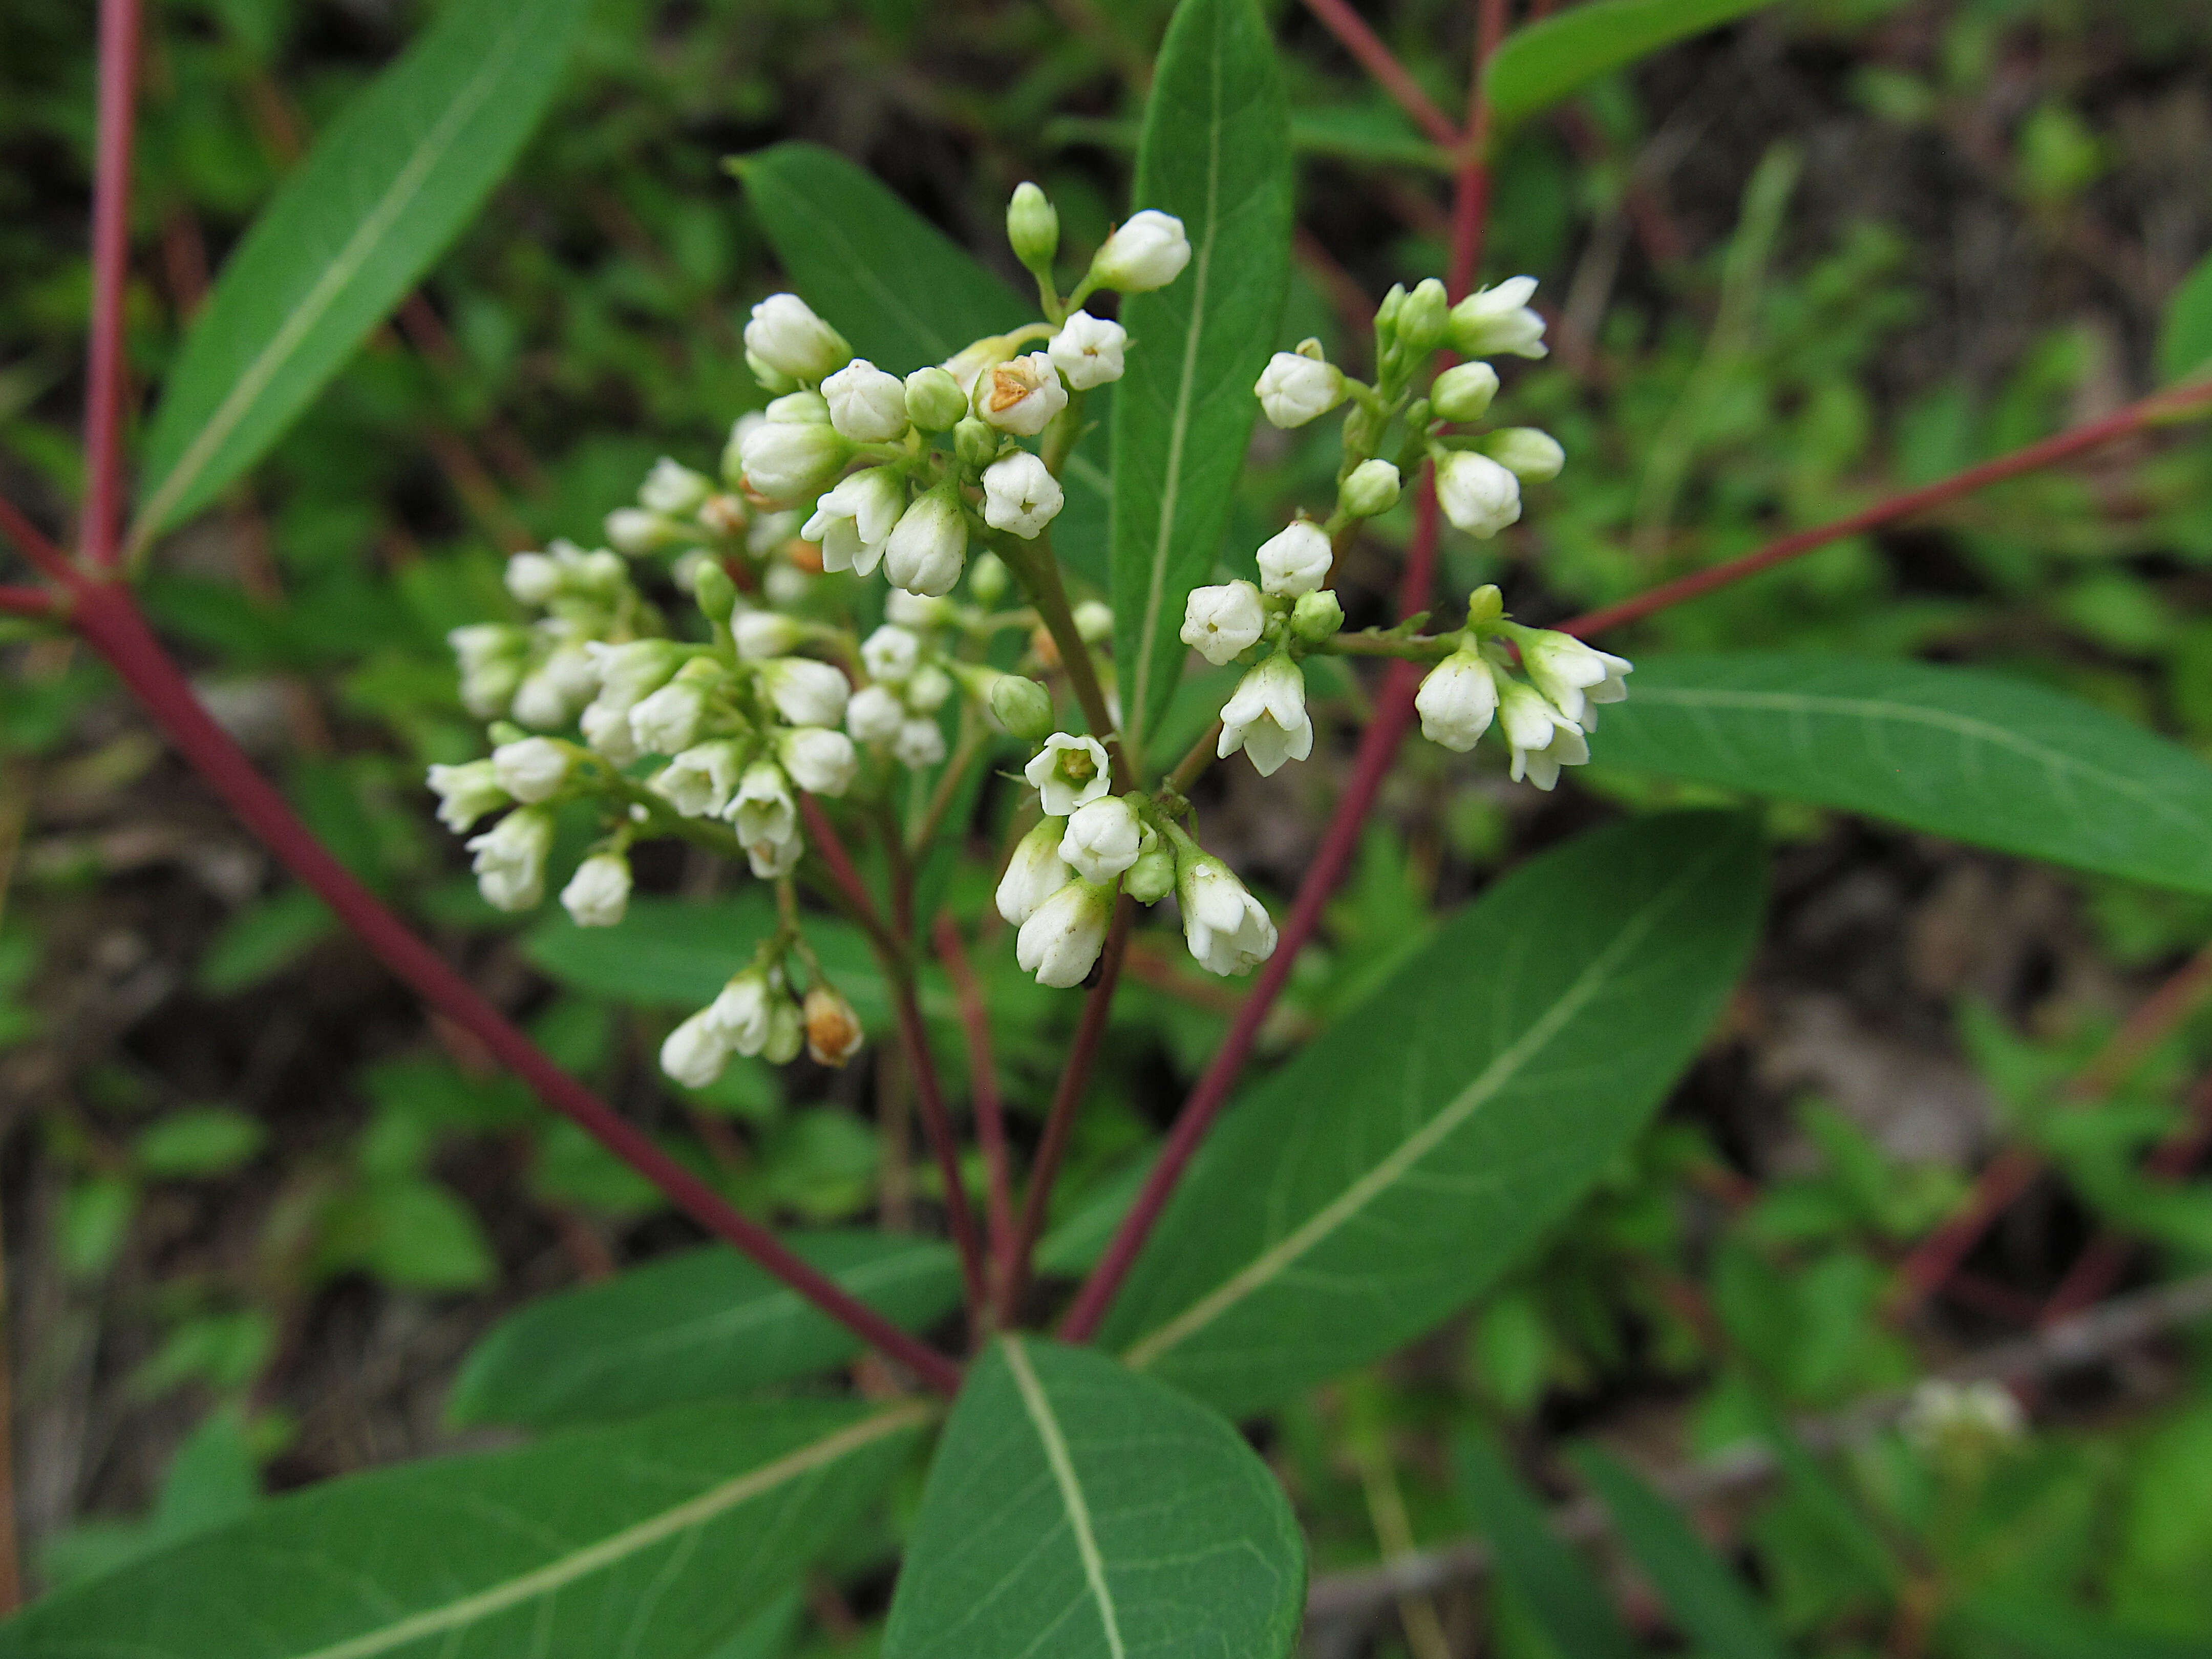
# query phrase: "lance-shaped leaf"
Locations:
[[1402, 1161], [1971, 755], [1558, 1591], [1216, 153], [1552, 59], [698, 1325], [354, 227], [2184, 333], [1077, 1510], [658, 1537]]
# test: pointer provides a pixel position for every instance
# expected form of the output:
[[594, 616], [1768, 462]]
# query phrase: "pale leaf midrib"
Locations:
[[1271, 1263], [406, 185], [632, 1540], [1078, 1508]]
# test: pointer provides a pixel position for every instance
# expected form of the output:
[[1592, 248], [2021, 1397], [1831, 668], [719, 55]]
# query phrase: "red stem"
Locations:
[[35, 547], [983, 1085], [109, 620], [1362, 42], [2135, 417], [110, 258], [2004, 1179], [1378, 747], [1060, 1123], [26, 602]]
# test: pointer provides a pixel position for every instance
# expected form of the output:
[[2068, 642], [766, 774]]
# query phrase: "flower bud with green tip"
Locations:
[[1033, 226], [1148, 252], [974, 441], [786, 337], [934, 401], [1529, 455], [1152, 876], [1463, 391], [716, 594], [1316, 617], [1424, 318], [1022, 707], [988, 579], [1369, 489]]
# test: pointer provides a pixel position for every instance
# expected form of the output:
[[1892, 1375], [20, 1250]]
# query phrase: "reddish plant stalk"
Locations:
[[2099, 1265], [109, 619], [1060, 1122], [26, 602], [110, 259], [1937, 1257], [983, 1090], [2135, 417], [34, 545], [1363, 43]]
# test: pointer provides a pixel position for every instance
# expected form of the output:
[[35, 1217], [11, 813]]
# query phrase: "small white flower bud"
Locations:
[[1088, 350], [919, 612], [1369, 488], [929, 689], [1570, 674], [1068, 772], [988, 579], [1094, 620], [833, 1030], [667, 722], [1463, 391], [820, 761], [890, 654], [674, 489], [866, 404], [699, 782], [1020, 495], [1034, 873], [1478, 495], [786, 335], [786, 1033], [634, 530], [695, 1052], [1147, 252], [1531, 455], [1497, 321], [926, 546], [597, 895], [487, 691], [1422, 317], [788, 460], [732, 462], [1102, 839], [760, 634], [1152, 876], [1542, 739], [1267, 718], [1032, 226], [935, 402], [1221, 622], [481, 645], [743, 1009], [466, 792], [763, 809], [806, 692], [1023, 395], [919, 743], [1060, 940], [853, 520], [1295, 388], [538, 703], [1316, 617], [532, 578], [1295, 560], [628, 671], [874, 714], [974, 441], [1022, 707], [1226, 928], [606, 730], [533, 768], [1457, 700], [510, 858], [701, 574]]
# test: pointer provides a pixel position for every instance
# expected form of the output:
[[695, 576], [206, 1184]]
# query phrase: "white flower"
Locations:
[[918, 611], [1463, 391], [926, 546], [890, 654], [1088, 350], [1227, 929], [606, 729], [786, 460], [806, 692], [1035, 872], [551, 691], [1457, 700], [1530, 454], [866, 404], [1221, 622], [1542, 738], [760, 634], [1102, 839], [1068, 772], [696, 1051], [1267, 718], [874, 714], [1021, 396], [1572, 675], [921, 742], [773, 859], [628, 671], [1491, 321], [510, 861], [1060, 939], [1295, 561], [699, 782], [490, 656], [466, 792], [598, 893], [673, 489], [852, 519], [667, 722], [1295, 388], [1478, 495], [533, 769], [634, 530], [1093, 620], [743, 1009], [1020, 495], [763, 809], [787, 337], [1149, 252], [532, 578], [927, 691], [821, 761]]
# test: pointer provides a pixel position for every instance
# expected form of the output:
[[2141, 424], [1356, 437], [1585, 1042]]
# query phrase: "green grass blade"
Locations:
[[1558, 1591]]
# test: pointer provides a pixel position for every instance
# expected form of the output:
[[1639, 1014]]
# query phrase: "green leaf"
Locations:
[[1560, 1592], [1077, 1510], [1403, 1160], [1971, 755], [900, 289], [2049, 1628], [1538, 66], [1216, 153], [204, 1141], [1709, 1602], [409, 1232], [261, 939], [2185, 334], [394, 180], [694, 1325], [661, 1537]]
